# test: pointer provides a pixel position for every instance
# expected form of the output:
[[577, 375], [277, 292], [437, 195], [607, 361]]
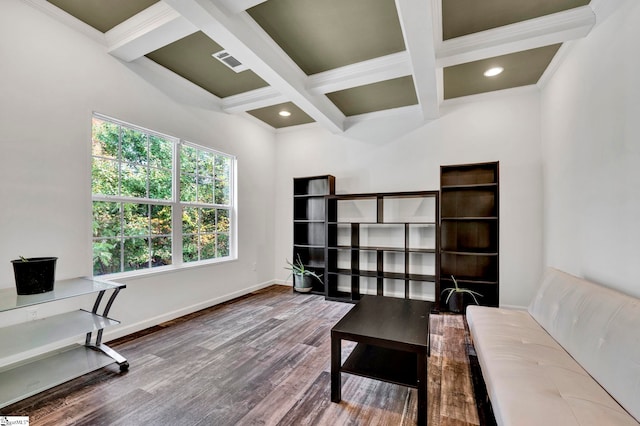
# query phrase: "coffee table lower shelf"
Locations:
[[387, 365]]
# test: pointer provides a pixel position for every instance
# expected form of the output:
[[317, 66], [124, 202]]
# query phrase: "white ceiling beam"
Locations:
[[354, 75], [254, 99], [366, 72], [237, 6], [246, 41], [416, 20], [556, 28], [151, 29], [436, 10]]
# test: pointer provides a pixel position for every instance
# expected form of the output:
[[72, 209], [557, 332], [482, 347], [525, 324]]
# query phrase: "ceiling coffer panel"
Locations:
[[463, 17], [271, 115], [191, 58], [324, 35], [519, 69], [395, 93], [103, 14]]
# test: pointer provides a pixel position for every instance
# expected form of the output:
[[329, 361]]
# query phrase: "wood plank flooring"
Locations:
[[263, 359]]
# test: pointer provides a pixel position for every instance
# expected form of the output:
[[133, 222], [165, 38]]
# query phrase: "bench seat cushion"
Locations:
[[599, 327], [531, 379]]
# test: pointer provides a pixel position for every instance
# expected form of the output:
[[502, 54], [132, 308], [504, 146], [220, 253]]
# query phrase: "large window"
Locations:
[[157, 200]]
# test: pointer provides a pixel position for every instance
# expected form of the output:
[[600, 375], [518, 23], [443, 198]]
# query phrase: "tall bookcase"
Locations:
[[469, 228], [384, 244], [309, 216]]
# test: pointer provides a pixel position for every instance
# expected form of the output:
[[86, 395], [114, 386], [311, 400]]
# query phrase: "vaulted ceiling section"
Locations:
[[328, 61]]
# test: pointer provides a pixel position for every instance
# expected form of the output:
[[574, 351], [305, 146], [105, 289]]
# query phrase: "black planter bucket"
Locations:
[[34, 276]]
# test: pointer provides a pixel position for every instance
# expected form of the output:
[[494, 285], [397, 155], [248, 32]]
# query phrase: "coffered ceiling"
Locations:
[[336, 61]]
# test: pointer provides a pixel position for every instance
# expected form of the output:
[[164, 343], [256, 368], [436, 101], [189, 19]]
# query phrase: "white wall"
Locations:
[[504, 128], [591, 154], [51, 79]]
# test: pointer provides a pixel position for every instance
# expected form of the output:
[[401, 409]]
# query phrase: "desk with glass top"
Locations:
[[25, 377]]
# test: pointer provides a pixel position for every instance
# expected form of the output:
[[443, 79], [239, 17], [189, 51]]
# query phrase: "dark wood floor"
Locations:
[[263, 359]]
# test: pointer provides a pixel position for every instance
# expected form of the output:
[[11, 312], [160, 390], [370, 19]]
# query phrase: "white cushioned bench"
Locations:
[[573, 358]]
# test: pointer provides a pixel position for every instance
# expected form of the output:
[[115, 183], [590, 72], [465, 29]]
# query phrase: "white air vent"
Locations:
[[226, 58]]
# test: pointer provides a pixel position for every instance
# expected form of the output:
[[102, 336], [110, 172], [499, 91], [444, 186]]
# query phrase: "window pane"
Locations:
[[223, 179], [223, 167], [207, 220], [136, 219], [134, 181], [106, 256], [187, 159], [207, 246], [136, 253], [223, 220], [161, 220], [189, 220], [205, 163], [222, 192], [105, 139], [160, 251], [205, 190], [160, 184], [223, 245], [160, 152], [106, 219], [104, 177], [190, 248], [187, 188], [134, 146]]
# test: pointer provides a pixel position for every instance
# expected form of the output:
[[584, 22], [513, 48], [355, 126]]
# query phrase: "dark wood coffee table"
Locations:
[[393, 345]]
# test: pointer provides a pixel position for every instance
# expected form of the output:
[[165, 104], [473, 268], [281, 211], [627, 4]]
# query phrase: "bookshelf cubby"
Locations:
[[383, 244]]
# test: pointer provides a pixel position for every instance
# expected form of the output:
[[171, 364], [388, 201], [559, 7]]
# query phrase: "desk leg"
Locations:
[[422, 389], [336, 355]]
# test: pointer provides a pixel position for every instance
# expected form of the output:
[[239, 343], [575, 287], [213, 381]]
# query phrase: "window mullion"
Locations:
[[176, 209]]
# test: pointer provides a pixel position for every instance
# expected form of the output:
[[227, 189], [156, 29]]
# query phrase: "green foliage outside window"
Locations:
[[205, 233], [132, 178]]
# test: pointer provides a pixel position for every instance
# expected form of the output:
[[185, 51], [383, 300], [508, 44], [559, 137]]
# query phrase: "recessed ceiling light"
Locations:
[[284, 113], [492, 72]]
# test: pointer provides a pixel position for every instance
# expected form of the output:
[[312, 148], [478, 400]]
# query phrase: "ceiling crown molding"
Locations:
[[237, 6], [151, 29], [555, 28], [366, 72], [413, 110], [254, 99]]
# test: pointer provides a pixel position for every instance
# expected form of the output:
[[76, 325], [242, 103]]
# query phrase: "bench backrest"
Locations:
[[599, 327]]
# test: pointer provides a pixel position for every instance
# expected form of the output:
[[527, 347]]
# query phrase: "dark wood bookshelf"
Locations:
[[469, 229], [379, 243], [309, 217]]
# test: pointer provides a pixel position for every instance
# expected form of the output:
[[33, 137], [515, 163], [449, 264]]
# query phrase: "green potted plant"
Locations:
[[302, 277], [455, 297]]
